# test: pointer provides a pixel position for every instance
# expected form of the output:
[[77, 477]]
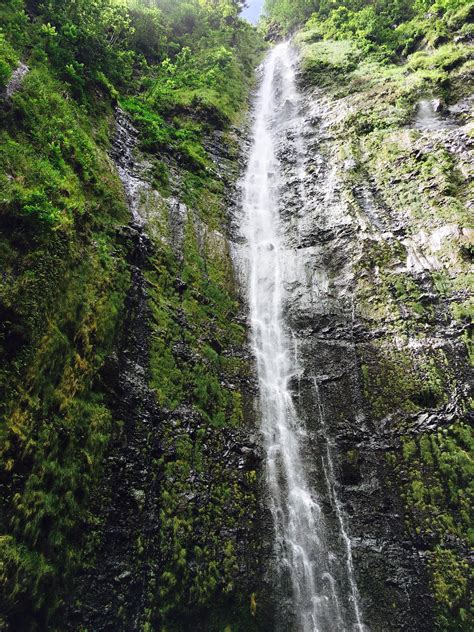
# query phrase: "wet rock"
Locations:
[[430, 115], [118, 589], [326, 238], [15, 82], [139, 496]]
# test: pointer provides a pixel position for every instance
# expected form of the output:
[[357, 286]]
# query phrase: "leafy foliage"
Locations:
[[180, 69], [436, 473], [389, 28]]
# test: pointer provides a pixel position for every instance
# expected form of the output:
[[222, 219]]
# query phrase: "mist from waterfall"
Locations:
[[307, 568]]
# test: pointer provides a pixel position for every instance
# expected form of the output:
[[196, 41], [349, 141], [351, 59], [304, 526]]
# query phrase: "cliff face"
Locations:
[[131, 466], [178, 513], [381, 299], [129, 472], [131, 476]]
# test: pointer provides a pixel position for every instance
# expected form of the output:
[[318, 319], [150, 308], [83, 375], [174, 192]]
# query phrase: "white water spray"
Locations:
[[303, 558]]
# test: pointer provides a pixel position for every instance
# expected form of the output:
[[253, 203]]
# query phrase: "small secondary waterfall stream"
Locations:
[[307, 568]]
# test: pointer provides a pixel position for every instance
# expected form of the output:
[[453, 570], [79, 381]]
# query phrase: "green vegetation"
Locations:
[[181, 70], [8, 60], [390, 55], [199, 566], [199, 83], [65, 279], [435, 471], [205, 302], [400, 383], [196, 363], [383, 29]]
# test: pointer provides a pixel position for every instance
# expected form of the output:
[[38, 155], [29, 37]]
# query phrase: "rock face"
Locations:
[[126, 502], [178, 521], [376, 332], [111, 593], [183, 535], [15, 82], [325, 239]]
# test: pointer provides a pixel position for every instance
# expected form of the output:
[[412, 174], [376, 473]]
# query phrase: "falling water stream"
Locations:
[[307, 568]]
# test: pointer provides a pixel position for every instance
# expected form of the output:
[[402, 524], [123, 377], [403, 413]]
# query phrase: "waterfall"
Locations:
[[306, 567]]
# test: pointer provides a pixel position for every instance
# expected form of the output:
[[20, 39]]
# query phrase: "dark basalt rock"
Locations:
[[118, 588], [112, 590], [332, 340]]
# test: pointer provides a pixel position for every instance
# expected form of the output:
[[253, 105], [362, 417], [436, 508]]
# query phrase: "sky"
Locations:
[[253, 10]]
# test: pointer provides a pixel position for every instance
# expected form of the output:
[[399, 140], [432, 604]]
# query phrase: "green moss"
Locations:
[[57, 427], [160, 177], [325, 63], [8, 60], [435, 471], [199, 567], [445, 57], [206, 305], [403, 172], [65, 281], [450, 580], [397, 382]]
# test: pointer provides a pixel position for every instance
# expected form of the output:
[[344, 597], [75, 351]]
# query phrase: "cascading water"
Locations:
[[306, 566]]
